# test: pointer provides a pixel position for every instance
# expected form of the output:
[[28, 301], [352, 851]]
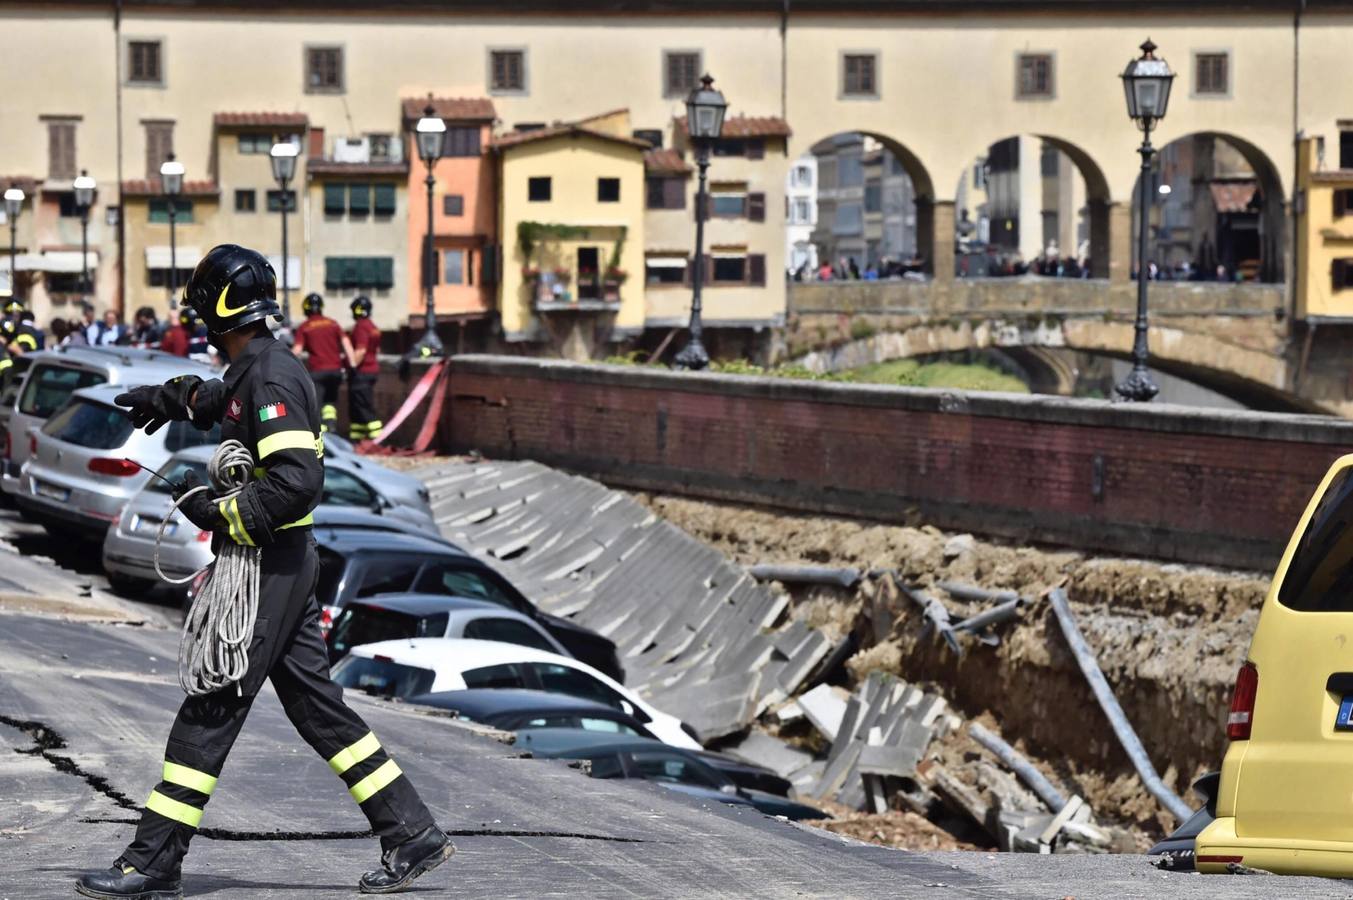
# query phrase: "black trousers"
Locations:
[[326, 388], [286, 647], [363, 421]]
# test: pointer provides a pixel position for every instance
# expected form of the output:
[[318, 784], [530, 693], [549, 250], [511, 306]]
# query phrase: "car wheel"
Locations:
[[130, 587]]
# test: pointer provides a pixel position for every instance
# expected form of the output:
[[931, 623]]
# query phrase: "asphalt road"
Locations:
[[88, 689]]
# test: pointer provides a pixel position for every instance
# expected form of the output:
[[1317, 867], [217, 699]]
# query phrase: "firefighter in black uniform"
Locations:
[[267, 402]]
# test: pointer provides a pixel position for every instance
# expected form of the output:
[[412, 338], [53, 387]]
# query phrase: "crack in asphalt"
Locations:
[[47, 740]]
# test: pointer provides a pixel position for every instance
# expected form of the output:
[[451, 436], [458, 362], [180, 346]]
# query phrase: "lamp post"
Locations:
[[283, 156], [431, 130], [84, 199], [171, 182], [13, 206], [1146, 83], [705, 108]]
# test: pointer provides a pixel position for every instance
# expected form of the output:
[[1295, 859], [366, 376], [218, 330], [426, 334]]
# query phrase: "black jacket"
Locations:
[[267, 402]]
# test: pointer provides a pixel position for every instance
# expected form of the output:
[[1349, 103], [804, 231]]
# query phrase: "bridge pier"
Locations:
[[935, 236]]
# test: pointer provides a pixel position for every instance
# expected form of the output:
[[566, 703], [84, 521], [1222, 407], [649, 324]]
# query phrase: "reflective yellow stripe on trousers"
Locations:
[[173, 809], [184, 776]]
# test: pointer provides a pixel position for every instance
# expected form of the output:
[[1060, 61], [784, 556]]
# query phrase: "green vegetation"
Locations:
[[959, 376]]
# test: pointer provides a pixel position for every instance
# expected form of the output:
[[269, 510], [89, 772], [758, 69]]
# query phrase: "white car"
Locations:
[[404, 668]]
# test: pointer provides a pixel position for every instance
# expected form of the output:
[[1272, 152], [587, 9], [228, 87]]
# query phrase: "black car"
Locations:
[[356, 562], [679, 770], [1177, 851], [555, 722]]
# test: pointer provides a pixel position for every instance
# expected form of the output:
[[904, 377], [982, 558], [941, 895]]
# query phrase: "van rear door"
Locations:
[[1296, 777]]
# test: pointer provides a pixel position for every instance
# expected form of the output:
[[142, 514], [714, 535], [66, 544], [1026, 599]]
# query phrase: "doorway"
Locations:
[[589, 273]]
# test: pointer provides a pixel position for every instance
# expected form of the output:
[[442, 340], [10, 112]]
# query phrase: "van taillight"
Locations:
[[1242, 703], [32, 445], [8, 454], [120, 468]]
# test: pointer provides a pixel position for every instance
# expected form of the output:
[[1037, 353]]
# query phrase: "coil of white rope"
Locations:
[[214, 646]]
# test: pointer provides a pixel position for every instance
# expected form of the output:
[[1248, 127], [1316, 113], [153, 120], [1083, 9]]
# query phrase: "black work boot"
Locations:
[[123, 882], [401, 864]]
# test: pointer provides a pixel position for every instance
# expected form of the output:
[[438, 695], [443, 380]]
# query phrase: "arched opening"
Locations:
[[1032, 204], [1216, 212], [860, 207]]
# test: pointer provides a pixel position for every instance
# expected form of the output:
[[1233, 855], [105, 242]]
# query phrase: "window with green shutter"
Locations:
[[385, 272], [159, 210], [359, 199], [385, 200], [362, 272], [335, 199]]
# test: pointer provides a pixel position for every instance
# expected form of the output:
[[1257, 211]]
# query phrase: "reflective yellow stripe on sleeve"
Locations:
[[354, 753], [287, 440], [372, 783], [173, 809], [189, 778], [307, 519], [27, 340], [230, 511]]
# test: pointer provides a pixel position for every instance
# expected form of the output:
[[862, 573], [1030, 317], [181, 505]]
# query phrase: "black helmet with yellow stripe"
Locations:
[[231, 287], [13, 306], [312, 304], [361, 307]]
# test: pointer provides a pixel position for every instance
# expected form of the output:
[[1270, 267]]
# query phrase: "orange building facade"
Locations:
[[464, 210]]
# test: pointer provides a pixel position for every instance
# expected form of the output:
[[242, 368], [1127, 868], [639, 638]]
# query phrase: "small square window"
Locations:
[[254, 143], [461, 140], [453, 205], [652, 135], [681, 72], [324, 69], [143, 63], [608, 190], [859, 75], [729, 269], [1210, 73], [538, 189], [1035, 73], [275, 201], [245, 201], [507, 71]]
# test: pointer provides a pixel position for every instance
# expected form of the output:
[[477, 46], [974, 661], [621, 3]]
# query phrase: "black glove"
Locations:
[[153, 406], [199, 509]]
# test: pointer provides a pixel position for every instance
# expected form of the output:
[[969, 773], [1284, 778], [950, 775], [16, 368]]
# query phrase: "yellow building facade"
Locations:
[[1324, 286]]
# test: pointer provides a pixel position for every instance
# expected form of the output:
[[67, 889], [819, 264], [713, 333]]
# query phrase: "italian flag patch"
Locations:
[[272, 411]]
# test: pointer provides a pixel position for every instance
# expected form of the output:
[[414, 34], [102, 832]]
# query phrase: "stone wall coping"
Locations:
[[1031, 408]]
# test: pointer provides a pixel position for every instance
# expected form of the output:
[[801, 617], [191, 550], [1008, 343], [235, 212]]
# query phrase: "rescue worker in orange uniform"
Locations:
[[329, 350]]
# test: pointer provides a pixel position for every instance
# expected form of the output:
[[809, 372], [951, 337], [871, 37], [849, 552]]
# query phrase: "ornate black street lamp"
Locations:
[[171, 183], [431, 131], [84, 199], [1146, 82], [705, 108], [13, 206], [283, 157]]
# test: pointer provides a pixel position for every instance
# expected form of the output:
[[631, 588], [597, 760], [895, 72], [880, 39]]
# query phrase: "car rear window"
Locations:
[[88, 424], [503, 676], [382, 677], [456, 579], [361, 624], [49, 386], [506, 631], [1320, 576]]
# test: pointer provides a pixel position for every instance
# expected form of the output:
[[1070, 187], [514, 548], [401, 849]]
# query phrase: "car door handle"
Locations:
[[1340, 683]]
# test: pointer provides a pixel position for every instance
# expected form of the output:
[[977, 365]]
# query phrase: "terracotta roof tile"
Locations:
[[245, 119], [748, 126], [515, 138], [329, 167], [456, 109], [666, 162], [150, 187]]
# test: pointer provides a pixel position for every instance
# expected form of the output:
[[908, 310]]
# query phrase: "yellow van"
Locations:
[[1285, 803]]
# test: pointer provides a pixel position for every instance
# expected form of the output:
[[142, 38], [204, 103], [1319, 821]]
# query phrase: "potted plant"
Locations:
[[615, 277]]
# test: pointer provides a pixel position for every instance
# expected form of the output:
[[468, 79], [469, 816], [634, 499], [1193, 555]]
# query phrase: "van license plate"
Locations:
[[1344, 721], [53, 493]]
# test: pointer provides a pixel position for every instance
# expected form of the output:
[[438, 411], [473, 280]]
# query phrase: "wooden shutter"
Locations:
[[159, 144], [335, 199], [754, 148], [756, 207], [333, 272], [385, 272], [1339, 273], [1340, 204], [359, 198], [756, 269], [316, 142], [674, 193], [385, 199], [61, 150], [488, 271]]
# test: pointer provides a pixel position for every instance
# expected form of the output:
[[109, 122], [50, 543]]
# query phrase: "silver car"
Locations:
[[349, 483], [82, 467], [51, 376]]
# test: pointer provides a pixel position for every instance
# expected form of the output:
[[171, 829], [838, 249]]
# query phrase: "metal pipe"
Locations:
[[1018, 764], [1085, 657], [972, 593], [791, 574], [1004, 612]]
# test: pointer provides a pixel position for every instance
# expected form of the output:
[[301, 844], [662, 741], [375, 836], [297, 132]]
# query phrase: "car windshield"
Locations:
[[49, 386], [586, 723], [458, 579], [361, 624], [88, 424], [174, 471], [559, 679], [343, 489], [658, 765], [382, 677]]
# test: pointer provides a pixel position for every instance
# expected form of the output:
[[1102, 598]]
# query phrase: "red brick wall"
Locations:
[[1196, 485]]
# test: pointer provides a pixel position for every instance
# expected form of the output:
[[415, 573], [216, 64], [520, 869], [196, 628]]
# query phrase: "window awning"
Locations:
[[61, 261], [666, 262], [158, 257]]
